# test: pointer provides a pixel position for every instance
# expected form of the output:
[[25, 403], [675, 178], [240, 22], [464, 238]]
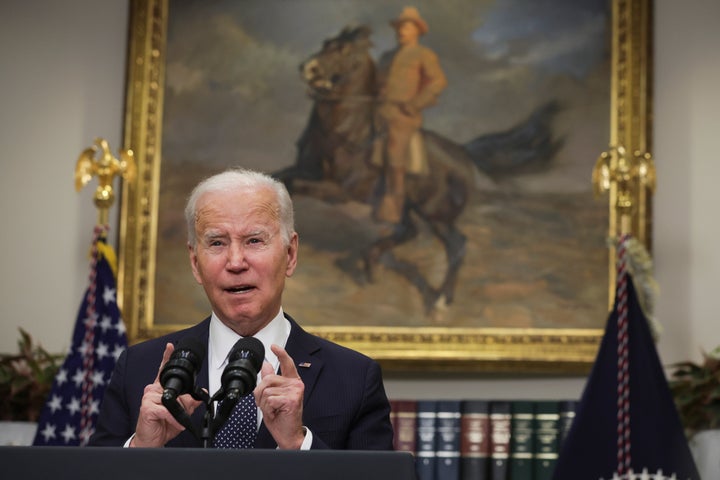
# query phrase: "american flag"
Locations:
[[71, 409]]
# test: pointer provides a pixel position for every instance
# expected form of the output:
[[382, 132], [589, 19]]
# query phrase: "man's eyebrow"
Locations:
[[256, 233], [213, 234]]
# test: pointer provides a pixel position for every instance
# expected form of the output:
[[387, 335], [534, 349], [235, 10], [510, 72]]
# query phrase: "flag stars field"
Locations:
[[106, 323], [55, 403], [109, 295], [98, 340], [78, 378], [120, 327], [48, 433], [119, 349], [74, 406], [61, 377], [68, 434], [102, 350], [97, 379]]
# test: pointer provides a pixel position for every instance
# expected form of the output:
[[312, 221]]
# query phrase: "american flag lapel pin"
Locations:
[[304, 364]]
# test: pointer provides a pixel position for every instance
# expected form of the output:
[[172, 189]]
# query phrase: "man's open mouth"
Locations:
[[239, 289]]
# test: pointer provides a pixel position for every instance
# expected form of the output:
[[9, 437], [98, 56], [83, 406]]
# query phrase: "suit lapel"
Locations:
[[303, 349]]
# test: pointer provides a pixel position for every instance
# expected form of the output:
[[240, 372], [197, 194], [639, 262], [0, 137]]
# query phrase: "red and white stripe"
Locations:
[[88, 363], [623, 372]]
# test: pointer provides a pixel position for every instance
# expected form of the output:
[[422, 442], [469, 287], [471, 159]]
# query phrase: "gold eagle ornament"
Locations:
[[97, 161]]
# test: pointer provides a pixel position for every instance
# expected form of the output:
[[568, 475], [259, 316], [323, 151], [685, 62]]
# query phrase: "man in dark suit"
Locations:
[[311, 393]]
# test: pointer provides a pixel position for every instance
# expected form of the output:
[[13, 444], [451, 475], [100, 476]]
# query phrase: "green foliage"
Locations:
[[696, 390], [26, 379]]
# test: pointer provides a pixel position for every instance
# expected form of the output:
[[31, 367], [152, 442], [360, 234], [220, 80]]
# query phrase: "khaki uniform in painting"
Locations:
[[410, 80]]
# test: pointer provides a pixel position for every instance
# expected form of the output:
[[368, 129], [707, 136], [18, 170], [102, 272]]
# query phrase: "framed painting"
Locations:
[[518, 278]]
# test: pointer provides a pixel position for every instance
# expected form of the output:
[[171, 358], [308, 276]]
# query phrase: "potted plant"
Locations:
[[696, 391], [25, 382]]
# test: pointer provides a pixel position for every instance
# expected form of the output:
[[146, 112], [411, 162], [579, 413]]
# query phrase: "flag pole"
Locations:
[[99, 336], [97, 160], [623, 177]]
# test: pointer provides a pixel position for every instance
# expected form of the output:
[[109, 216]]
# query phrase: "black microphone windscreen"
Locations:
[[250, 348], [178, 374], [195, 346]]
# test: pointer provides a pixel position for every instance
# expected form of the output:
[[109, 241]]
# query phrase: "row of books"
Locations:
[[482, 439]]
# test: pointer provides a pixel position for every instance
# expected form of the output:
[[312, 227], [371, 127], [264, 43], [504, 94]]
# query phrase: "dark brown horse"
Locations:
[[334, 161]]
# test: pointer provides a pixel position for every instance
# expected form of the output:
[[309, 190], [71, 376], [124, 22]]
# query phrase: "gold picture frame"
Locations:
[[397, 348]]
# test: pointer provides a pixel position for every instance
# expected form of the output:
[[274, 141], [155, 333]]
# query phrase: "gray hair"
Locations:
[[240, 178]]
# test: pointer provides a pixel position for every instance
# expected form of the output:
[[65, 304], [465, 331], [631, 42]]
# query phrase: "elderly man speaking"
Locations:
[[311, 393]]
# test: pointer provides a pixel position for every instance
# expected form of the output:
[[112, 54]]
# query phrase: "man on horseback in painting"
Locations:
[[337, 161], [410, 79]]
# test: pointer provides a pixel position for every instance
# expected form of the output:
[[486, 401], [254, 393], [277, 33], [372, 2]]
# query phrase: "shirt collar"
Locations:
[[222, 338]]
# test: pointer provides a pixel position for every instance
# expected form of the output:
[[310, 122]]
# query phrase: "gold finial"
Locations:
[[614, 168], [106, 168]]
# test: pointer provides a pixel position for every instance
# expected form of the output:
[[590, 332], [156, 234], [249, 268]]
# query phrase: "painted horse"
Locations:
[[334, 164]]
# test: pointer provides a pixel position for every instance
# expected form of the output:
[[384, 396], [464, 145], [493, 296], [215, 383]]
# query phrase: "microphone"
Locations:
[[239, 377], [177, 377], [179, 373], [244, 362]]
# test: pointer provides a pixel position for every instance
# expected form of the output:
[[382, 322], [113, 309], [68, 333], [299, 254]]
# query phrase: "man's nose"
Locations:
[[236, 257]]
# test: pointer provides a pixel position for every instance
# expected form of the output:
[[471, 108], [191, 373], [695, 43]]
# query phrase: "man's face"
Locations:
[[407, 33], [240, 258]]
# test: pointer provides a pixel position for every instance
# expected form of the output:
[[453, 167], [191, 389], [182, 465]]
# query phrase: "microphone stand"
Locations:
[[205, 434], [184, 419], [211, 424]]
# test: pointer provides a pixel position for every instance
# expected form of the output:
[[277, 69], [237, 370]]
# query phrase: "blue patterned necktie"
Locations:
[[240, 429]]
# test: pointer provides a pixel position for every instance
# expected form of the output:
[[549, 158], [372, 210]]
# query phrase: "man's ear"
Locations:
[[292, 252], [192, 253]]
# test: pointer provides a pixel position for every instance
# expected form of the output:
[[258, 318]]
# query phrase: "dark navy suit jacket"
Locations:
[[345, 405]]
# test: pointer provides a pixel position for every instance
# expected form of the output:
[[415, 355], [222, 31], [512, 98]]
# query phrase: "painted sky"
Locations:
[[233, 91]]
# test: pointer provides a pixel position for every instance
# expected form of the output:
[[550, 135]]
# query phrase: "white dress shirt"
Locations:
[[222, 339]]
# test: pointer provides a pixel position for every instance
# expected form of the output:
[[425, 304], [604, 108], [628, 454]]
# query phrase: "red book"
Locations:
[[403, 415], [475, 440]]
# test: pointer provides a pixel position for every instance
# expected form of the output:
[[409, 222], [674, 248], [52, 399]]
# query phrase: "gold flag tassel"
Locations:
[[640, 267]]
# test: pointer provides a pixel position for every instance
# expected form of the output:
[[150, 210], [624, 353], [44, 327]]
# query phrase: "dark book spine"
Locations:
[[448, 422], [425, 458], [500, 416], [521, 440], [405, 425], [475, 440], [547, 424], [567, 415]]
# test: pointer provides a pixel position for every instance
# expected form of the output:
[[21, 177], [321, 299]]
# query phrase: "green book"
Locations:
[[546, 435], [522, 423], [567, 415]]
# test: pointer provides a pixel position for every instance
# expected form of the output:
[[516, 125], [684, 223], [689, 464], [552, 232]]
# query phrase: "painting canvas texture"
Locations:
[[530, 77]]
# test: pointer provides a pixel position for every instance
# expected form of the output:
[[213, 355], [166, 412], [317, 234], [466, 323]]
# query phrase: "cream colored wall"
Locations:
[[687, 155], [62, 78], [61, 85]]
